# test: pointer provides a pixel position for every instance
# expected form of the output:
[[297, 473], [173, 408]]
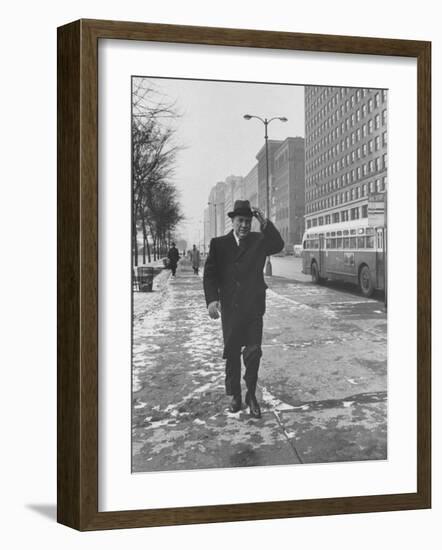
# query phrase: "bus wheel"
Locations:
[[365, 282], [315, 273]]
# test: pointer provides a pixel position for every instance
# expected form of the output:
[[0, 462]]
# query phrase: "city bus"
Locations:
[[350, 251]]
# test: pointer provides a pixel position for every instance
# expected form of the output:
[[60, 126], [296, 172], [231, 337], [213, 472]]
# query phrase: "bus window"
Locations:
[[304, 245], [346, 242], [369, 241], [329, 243], [352, 242], [339, 242], [333, 243], [380, 240], [361, 242]]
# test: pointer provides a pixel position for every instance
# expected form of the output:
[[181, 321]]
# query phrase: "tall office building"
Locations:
[[233, 190], [288, 191], [345, 152], [273, 145], [216, 214]]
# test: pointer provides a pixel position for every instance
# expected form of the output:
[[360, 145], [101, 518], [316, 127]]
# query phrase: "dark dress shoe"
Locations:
[[235, 405], [253, 404]]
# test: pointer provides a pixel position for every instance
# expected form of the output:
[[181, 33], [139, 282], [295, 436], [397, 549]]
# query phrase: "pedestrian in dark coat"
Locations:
[[234, 285], [173, 256]]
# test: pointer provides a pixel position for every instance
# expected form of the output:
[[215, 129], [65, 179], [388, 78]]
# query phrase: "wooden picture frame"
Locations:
[[77, 224]]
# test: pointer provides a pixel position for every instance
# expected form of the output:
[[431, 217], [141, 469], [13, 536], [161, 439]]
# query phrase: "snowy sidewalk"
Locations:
[[180, 415]]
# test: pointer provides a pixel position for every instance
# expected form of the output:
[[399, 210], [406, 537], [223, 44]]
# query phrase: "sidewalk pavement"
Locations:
[[322, 399], [180, 416]]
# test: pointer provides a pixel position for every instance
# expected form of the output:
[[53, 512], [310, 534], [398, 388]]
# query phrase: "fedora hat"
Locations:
[[241, 208]]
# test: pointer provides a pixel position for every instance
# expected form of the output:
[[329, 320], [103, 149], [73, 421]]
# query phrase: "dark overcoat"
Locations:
[[173, 255], [233, 275]]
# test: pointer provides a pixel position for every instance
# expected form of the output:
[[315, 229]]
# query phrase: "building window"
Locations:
[[364, 211], [370, 126], [377, 122], [364, 189], [370, 105], [384, 117], [384, 160], [376, 101], [384, 95], [377, 143], [378, 164], [364, 111], [364, 130], [370, 146], [384, 139], [370, 166]]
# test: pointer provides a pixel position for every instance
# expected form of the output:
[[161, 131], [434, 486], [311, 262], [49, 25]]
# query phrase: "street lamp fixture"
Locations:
[[266, 122]]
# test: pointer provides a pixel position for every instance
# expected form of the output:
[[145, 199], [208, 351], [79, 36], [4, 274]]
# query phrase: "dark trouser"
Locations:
[[173, 267], [250, 337], [251, 356]]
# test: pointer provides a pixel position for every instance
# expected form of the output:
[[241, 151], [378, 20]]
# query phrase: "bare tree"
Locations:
[[156, 210]]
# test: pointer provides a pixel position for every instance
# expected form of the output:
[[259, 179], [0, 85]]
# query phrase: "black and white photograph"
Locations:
[[259, 269]]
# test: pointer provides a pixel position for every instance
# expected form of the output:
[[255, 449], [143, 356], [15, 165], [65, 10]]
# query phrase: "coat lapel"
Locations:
[[242, 248]]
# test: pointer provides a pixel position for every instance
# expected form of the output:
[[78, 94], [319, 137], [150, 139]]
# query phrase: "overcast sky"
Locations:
[[217, 141]]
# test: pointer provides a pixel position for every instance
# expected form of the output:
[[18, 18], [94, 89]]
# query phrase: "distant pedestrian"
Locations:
[[195, 259], [173, 256], [234, 285]]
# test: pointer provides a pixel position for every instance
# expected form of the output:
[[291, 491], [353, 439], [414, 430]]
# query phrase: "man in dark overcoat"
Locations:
[[234, 286]]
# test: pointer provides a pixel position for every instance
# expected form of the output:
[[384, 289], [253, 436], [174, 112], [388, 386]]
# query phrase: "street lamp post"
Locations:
[[266, 122]]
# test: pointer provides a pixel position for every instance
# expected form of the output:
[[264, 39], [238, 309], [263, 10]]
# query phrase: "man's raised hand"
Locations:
[[259, 215]]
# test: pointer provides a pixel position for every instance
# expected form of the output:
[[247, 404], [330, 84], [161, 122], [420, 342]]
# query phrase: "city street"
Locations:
[[322, 380]]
